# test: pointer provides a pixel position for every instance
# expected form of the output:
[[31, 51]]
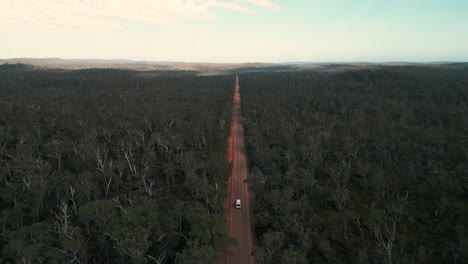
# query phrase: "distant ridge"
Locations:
[[206, 67], [386, 63], [58, 63]]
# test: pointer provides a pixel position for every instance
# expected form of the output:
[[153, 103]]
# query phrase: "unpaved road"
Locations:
[[239, 221]]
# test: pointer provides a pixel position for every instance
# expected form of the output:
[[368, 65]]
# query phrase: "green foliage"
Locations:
[[359, 164], [348, 164], [112, 166]]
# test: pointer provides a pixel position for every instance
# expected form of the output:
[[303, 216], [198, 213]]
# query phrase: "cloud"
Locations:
[[263, 3], [233, 6], [18, 15]]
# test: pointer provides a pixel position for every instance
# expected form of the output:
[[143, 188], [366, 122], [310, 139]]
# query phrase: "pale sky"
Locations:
[[236, 30]]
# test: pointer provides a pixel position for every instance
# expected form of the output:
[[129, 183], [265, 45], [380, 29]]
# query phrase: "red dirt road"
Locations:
[[239, 221]]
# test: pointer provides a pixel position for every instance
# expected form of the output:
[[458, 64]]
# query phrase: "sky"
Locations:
[[236, 30]]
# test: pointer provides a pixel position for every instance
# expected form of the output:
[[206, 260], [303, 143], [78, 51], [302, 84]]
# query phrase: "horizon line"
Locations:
[[124, 61]]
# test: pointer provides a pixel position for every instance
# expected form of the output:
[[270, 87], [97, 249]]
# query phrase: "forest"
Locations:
[[112, 166], [359, 164], [349, 164]]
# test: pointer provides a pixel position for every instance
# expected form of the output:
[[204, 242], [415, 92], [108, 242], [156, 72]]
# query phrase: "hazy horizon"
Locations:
[[124, 60], [236, 31]]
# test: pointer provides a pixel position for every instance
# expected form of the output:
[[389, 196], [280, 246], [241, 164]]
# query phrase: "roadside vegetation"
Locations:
[[359, 164], [348, 164], [112, 166]]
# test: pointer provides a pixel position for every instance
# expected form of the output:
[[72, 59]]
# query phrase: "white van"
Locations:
[[238, 206]]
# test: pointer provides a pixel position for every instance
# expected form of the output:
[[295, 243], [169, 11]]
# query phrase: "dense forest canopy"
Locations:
[[349, 164], [359, 165], [112, 166]]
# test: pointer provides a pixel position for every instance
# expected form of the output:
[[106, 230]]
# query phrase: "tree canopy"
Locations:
[[359, 164], [112, 166]]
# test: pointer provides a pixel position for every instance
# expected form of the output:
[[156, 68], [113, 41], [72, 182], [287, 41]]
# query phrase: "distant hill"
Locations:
[[384, 63], [130, 64], [203, 68]]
